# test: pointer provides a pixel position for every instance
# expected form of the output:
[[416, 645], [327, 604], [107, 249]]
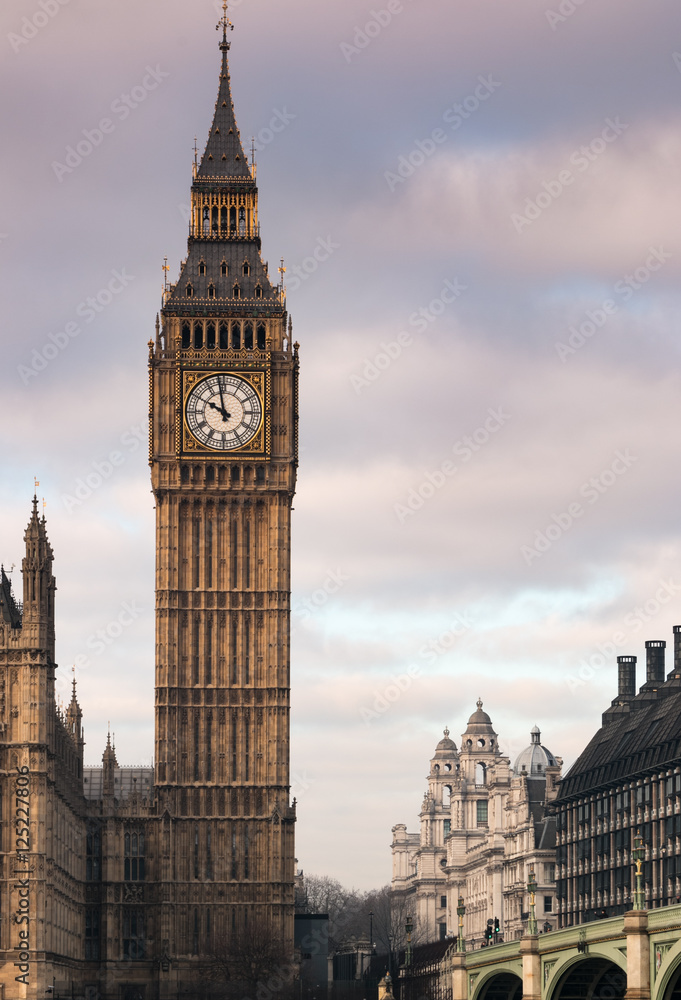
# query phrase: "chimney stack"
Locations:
[[626, 670], [677, 651], [655, 652]]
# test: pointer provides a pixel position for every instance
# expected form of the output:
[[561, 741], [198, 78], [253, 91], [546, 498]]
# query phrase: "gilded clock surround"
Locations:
[[189, 446]]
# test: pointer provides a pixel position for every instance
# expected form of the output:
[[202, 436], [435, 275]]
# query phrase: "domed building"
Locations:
[[484, 825]]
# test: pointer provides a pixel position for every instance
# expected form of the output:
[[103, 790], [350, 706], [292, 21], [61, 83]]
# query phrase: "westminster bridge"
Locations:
[[636, 956]]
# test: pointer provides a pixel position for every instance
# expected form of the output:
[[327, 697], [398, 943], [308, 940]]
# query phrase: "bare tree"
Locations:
[[324, 894], [390, 914], [253, 964]]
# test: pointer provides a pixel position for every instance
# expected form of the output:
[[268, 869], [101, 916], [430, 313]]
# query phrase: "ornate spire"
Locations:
[[224, 155], [74, 715], [36, 568]]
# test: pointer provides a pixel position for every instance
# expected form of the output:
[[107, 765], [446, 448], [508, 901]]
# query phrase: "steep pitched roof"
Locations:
[[641, 733], [9, 611], [224, 154]]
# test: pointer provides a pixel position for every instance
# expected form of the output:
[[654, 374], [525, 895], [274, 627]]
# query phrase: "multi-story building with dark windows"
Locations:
[[133, 883], [626, 783]]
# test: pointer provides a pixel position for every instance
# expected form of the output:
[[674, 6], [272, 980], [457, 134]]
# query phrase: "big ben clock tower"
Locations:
[[223, 454]]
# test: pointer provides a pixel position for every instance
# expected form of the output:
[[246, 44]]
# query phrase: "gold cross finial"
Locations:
[[225, 22]]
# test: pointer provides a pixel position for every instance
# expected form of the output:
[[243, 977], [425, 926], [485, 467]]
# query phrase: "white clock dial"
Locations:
[[224, 412]]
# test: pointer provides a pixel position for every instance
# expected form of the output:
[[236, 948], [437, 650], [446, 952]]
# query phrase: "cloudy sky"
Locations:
[[489, 479]]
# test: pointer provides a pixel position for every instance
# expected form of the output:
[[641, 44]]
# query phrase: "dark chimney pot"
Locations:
[[626, 670], [677, 650], [655, 661]]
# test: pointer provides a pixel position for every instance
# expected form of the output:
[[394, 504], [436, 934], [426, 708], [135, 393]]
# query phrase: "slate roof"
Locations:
[[639, 734], [224, 154], [128, 781], [9, 611], [213, 253], [224, 168]]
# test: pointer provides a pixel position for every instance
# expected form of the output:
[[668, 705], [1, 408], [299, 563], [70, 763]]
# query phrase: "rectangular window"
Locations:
[[133, 843], [481, 812], [93, 864], [234, 865], [247, 870], [133, 934], [195, 652], [234, 653], [443, 931], [92, 935], [247, 653], [234, 748], [196, 850], [209, 858], [197, 746], [443, 901], [209, 554], [247, 754], [209, 652], [549, 873], [196, 553], [248, 553], [209, 749], [235, 555], [548, 904], [447, 827]]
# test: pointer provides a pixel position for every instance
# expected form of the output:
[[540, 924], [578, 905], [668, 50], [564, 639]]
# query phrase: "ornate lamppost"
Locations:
[[408, 928], [532, 928], [461, 913], [637, 856]]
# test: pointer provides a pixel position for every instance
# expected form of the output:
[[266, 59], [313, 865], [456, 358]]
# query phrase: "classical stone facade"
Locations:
[[484, 825], [129, 883]]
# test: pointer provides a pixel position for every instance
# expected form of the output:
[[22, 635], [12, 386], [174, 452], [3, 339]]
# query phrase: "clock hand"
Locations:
[[221, 410], [222, 398]]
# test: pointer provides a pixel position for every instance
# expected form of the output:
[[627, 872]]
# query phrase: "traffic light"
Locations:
[[496, 925], [488, 931]]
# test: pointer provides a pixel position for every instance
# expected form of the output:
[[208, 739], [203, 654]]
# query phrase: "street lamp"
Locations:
[[637, 855], [532, 889], [371, 931], [461, 913], [408, 926]]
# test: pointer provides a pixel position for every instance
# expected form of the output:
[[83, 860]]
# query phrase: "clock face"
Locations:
[[224, 412]]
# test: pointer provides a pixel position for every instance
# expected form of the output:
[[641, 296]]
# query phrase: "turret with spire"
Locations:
[[39, 584], [109, 765]]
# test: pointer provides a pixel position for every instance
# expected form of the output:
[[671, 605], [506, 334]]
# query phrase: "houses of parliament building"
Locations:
[[123, 883]]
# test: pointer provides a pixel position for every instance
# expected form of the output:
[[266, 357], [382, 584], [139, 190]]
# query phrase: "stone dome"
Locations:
[[479, 729], [534, 760], [446, 744], [479, 718]]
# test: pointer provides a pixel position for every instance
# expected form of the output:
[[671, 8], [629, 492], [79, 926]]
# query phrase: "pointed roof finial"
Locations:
[[224, 23], [446, 732], [479, 703]]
